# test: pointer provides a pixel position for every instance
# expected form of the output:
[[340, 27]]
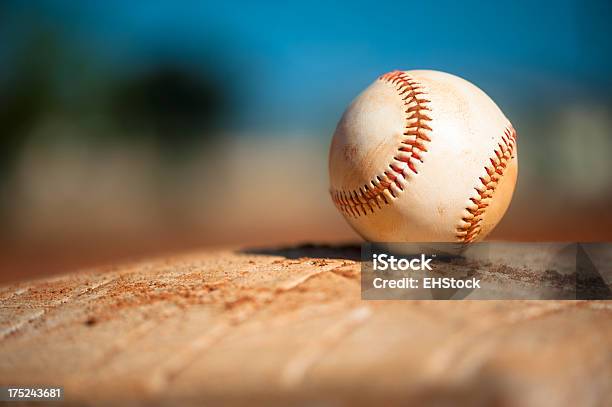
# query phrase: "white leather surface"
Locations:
[[467, 128]]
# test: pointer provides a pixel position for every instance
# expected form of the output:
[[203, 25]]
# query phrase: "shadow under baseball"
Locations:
[[350, 251]]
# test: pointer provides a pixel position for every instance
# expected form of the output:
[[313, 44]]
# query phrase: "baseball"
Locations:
[[423, 156]]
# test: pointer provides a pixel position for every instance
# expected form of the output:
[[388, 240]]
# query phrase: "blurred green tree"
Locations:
[[170, 105]]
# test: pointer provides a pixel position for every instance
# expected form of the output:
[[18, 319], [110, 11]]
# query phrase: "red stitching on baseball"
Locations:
[[468, 232], [385, 187]]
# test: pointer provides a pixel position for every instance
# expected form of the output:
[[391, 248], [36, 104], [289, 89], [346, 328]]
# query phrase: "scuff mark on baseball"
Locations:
[[423, 156]]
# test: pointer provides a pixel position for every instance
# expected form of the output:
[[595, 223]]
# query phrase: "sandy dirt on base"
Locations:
[[287, 325]]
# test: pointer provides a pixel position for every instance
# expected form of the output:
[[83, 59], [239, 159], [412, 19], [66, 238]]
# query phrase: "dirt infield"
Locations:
[[273, 326]]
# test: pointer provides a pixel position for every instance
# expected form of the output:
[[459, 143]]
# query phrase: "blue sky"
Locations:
[[298, 64]]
